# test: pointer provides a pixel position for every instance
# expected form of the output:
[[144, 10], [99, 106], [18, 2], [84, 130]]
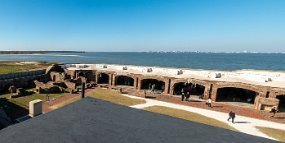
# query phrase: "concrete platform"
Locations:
[[91, 120]]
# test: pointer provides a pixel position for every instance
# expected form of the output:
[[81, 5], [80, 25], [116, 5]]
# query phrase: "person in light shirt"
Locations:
[[209, 102]]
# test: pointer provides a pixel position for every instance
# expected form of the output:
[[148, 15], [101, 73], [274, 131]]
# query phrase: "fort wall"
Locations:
[[266, 84], [20, 79]]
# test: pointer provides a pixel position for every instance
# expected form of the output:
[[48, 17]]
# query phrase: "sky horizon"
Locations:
[[143, 25]]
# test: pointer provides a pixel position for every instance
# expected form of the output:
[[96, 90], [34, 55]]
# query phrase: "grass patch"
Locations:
[[17, 107], [182, 114], [66, 102], [24, 100], [12, 67], [274, 133], [114, 96]]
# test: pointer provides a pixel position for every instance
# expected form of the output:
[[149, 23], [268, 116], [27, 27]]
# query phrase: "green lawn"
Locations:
[[114, 96], [190, 116], [274, 133], [24, 101], [66, 102], [12, 67], [19, 106]]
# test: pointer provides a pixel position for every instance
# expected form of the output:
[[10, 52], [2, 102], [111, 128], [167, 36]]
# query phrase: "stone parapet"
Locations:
[[265, 103]]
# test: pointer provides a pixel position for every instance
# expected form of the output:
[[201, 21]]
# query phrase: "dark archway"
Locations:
[[281, 102], [178, 88], [232, 94], [103, 78], [81, 74], [124, 80], [146, 84], [197, 89], [193, 89]]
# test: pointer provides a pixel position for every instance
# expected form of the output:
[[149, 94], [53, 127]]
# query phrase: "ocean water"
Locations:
[[211, 61]]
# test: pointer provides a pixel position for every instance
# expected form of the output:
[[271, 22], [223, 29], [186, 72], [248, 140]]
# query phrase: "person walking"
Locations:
[[232, 116], [188, 92], [274, 110], [187, 96], [182, 94], [152, 88], [209, 102], [47, 97], [149, 86]]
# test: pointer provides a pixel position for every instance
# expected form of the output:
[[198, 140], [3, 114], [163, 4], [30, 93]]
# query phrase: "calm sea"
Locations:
[[215, 61]]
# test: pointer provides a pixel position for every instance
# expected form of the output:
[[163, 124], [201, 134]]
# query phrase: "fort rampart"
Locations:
[[261, 88]]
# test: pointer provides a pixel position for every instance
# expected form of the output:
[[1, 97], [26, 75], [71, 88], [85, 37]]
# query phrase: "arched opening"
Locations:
[[232, 94], [192, 88], [178, 88], [124, 80], [81, 74], [103, 78], [281, 102], [148, 84]]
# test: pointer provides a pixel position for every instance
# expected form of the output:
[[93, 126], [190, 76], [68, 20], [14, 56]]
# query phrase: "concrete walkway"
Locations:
[[242, 124]]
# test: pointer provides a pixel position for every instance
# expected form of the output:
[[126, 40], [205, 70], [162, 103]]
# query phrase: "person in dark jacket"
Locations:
[[187, 96], [274, 111], [232, 116], [189, 89]]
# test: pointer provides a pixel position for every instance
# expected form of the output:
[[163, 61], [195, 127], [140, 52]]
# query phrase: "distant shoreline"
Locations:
[[208, 61], [148, 52], [46, 54], [37, 52]]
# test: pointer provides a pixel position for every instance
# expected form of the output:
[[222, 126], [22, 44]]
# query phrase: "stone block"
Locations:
[[35, 107]]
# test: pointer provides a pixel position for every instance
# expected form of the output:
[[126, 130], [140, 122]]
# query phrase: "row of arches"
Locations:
[[188, 87], [123, 80], [224, 94], [104, 78]]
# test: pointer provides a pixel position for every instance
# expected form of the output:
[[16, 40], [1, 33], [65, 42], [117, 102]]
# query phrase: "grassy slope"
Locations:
[[24, 101], [66, 102], [12, 67], [182, 114], [274, 133], [17, 104], [114, 96]]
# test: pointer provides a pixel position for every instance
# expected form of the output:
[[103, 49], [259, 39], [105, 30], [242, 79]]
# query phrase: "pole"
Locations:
[[83, 90]]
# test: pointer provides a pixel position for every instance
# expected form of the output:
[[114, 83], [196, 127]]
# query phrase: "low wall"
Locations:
[[22, 74], [20, 79]]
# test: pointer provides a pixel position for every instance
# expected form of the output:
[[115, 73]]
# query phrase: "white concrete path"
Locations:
[[243, 124]]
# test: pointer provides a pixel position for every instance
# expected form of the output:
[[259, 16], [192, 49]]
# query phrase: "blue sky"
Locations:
[[143, 25]]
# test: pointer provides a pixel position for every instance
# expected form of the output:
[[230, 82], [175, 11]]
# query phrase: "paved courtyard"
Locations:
[[90, 120]]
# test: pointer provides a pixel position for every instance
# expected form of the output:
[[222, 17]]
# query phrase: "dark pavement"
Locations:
[[90, 121]]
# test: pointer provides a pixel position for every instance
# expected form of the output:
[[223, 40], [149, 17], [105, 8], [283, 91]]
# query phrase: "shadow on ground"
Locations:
[[13, 110], [242, 122]]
